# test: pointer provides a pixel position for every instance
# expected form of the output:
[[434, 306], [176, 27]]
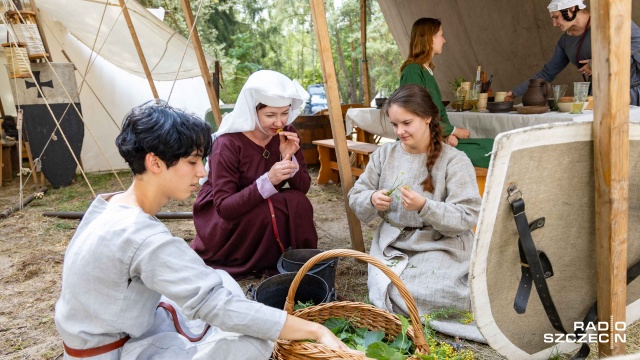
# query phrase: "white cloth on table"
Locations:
[[116, 267], [432, 260]]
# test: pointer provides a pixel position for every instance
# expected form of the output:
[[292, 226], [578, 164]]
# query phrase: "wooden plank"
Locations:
[[335, 115], [354, 146], [610, 35], [363, 44], [202, 61], [39, 26], [136, 42]]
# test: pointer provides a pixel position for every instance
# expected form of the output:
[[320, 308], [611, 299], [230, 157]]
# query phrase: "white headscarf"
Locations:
[[268, 87], [557, 5]]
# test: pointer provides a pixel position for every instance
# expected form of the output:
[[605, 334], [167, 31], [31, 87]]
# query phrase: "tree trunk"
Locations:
[[343, 65], [354, 69]]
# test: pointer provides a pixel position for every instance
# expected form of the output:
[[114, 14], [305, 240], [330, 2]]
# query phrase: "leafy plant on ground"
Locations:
[[378, 345]]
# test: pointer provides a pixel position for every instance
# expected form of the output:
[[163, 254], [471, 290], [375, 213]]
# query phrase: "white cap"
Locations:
[[272, 100], [557, 5]]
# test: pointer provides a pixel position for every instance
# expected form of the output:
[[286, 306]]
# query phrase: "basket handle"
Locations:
[[419, 339]]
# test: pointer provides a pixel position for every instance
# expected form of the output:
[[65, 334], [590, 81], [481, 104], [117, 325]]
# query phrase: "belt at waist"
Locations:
[[84, 353]]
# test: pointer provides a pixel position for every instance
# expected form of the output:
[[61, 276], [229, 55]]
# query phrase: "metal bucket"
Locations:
[[293, 260], [273, 291]]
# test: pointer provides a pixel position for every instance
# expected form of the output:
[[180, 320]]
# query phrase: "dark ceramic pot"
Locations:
[[537, 93]]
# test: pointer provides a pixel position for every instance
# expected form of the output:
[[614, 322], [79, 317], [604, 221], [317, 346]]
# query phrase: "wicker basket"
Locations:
[[360, 315]]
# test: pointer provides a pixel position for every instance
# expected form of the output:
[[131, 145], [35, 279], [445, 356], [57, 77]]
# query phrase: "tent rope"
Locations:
[[52, 114], [186, 47]]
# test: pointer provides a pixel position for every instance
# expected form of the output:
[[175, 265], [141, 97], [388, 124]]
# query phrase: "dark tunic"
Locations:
[[476, 149], [233, 224]]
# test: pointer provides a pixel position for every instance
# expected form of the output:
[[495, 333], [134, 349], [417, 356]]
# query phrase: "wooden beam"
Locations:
[[335, 115], [136, 42], [40, 30], [202, 61], [363, 44], [611, 39]]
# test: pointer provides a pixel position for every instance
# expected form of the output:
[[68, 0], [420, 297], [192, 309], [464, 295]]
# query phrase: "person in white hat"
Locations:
[[245, 216], [574, 46]]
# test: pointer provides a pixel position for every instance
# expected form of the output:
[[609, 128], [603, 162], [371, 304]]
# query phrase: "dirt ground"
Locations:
[[32, 249]]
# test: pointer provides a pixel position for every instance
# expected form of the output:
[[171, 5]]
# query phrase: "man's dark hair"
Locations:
[[169, 133]]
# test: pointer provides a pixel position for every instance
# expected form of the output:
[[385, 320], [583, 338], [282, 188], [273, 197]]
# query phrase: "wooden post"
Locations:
[[40, 30], [335, 115], [611, 36], [216, 78], [202, 61], [363, 44], [136, 42]]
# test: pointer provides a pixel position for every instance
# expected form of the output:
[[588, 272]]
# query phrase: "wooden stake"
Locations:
[[611, 36], [136, 42], [363, 44], [202, 61], [335, 115]]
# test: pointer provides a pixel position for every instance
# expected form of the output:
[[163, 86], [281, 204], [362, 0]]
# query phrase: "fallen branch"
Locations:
[[19, 205], [161, 215]]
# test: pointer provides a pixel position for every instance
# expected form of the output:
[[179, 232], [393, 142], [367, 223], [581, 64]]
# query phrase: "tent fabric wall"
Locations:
[[162, 46], [118, 90], [510, 39]]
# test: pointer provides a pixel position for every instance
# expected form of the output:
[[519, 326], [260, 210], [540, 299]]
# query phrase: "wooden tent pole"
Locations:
[[40, 30], [363, 44], [335, 115], [202, 61], [611, 36], [136, 42]]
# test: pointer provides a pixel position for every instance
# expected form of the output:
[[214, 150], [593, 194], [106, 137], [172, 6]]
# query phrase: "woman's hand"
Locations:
[[380, 200], [411, 200], [299, 329], [326, 337], [282, 170], [509, 96], [451, 140], [289, 143], [586, 69], [461, 133]]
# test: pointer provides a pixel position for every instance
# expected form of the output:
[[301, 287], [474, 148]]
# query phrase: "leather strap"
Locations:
[[524, 288], [535, 267], [580, 46], [275, 225], [85, 353], [176, 323]]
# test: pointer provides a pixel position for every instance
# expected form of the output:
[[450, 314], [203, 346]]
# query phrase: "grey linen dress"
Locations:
[[431, 258], [122, 262]]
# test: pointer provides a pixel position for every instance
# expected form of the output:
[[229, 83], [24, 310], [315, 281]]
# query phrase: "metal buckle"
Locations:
[[512, 190]]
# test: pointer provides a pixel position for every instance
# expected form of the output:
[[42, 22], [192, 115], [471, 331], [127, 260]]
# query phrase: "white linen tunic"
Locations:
[[118, 265], [432, 257]]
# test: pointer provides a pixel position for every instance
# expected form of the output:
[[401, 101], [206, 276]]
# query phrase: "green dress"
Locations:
[[476, 149]]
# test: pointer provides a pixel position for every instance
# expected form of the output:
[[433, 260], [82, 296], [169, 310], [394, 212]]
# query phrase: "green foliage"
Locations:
[[302, 305], [249, 35], [456, 83], [377, 345]]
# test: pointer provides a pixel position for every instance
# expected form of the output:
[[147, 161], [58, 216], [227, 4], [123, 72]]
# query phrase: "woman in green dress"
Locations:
[[426, 42]]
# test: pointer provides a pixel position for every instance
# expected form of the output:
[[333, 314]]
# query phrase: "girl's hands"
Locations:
[[282, 170], [289, 143], [380, 200], [411, 200]]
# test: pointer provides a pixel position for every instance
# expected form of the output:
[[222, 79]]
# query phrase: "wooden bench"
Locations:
[[328, 164]]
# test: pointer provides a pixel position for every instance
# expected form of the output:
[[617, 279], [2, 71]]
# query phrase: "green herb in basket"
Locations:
[[302, 305]]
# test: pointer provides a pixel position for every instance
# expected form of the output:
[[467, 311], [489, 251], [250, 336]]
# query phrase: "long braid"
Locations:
[[433, 151]]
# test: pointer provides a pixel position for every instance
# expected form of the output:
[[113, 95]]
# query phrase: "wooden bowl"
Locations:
[[500, 107]]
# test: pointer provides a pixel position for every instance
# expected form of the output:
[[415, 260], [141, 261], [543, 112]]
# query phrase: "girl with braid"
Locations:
[[426, 193]]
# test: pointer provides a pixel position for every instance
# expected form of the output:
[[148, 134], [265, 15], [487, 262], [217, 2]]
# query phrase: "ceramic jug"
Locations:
[[537, 93]]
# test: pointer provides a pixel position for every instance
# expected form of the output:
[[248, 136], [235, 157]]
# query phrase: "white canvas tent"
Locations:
[[510, 39], [115, 79]]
